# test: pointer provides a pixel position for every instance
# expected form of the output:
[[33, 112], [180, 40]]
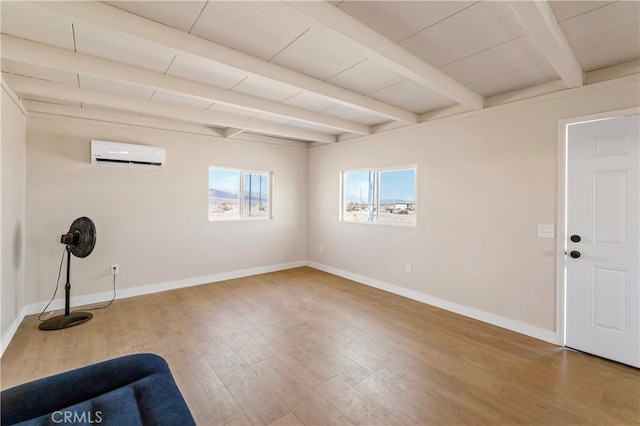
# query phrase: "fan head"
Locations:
[[81, 238]]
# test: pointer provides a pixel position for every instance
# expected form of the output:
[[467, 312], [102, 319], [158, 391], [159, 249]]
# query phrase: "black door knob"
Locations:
[[575, 254], [576, 238]]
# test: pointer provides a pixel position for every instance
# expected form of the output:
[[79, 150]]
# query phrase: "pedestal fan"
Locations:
[[80, 241]]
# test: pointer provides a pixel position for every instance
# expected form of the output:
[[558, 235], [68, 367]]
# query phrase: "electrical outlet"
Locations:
[[407, 268], [320, 248], [115, 269]]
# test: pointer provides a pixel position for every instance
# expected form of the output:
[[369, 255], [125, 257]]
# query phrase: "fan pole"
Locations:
[[69, 319], [67, 286]]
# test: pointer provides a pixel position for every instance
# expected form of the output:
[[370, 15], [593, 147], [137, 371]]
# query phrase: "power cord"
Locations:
[[58, 285], [110, 302]]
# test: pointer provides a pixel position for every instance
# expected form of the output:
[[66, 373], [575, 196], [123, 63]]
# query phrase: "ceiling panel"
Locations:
[[402, 93], [24, 20], [568, 9], [515, 80], [397, 20], [208, 72], [503, 59], [427, 104], [343, 112], [254, 28], [177, 14], [329, 57], [265, 89], [378, 77], [117, 47], [309, 102], [613, 53], [474, 29], [605, 25]]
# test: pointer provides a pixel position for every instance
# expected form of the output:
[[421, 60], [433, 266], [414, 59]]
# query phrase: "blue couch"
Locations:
[[131, 390]]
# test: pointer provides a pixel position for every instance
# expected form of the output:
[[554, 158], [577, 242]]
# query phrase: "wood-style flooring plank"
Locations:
[[259, 402], [356, 406], [305, 402]]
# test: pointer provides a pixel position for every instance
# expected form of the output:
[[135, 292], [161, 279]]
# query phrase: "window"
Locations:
[[379, 196], [227, 187]]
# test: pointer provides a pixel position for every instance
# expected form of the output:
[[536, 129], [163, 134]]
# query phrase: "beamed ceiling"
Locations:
[[311, 71]]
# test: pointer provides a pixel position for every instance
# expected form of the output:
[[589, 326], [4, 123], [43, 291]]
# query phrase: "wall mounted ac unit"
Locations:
[[117, 153]]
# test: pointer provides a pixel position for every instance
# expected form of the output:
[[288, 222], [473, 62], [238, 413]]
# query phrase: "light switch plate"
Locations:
[[546, 231]]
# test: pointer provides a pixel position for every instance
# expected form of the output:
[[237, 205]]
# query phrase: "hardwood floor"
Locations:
[[305, 347]]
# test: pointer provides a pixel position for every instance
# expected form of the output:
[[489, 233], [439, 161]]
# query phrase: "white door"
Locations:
[[603, 232]]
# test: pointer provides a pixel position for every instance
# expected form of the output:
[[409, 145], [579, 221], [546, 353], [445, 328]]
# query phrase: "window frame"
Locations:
[[376, 220], [241, 195]]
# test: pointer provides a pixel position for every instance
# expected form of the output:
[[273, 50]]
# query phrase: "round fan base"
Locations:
[[65, 321]]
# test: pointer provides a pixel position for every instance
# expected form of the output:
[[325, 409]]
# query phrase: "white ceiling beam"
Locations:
[[33, 53], [183, 43], [14, 96], [231, 132], [325, 16], [97, 114], [543, 27], [34, 87]]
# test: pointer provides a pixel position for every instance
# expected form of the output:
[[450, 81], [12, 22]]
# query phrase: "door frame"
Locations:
[[561, 238]]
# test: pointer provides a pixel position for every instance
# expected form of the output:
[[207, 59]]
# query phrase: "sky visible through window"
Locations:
[[395, 186], [224, 184], [357, 186], [398, 186]]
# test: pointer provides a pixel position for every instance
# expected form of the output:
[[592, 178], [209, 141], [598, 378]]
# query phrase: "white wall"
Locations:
[[12, 214], [485, 180], [153, 223]]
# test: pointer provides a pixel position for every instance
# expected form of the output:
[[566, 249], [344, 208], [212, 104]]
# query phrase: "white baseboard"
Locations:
[[509, 324], [89, 299], [11, 331], [125, 293]]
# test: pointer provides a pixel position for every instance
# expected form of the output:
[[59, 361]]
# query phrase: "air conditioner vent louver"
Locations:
[[125, 154], [140, 163]]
